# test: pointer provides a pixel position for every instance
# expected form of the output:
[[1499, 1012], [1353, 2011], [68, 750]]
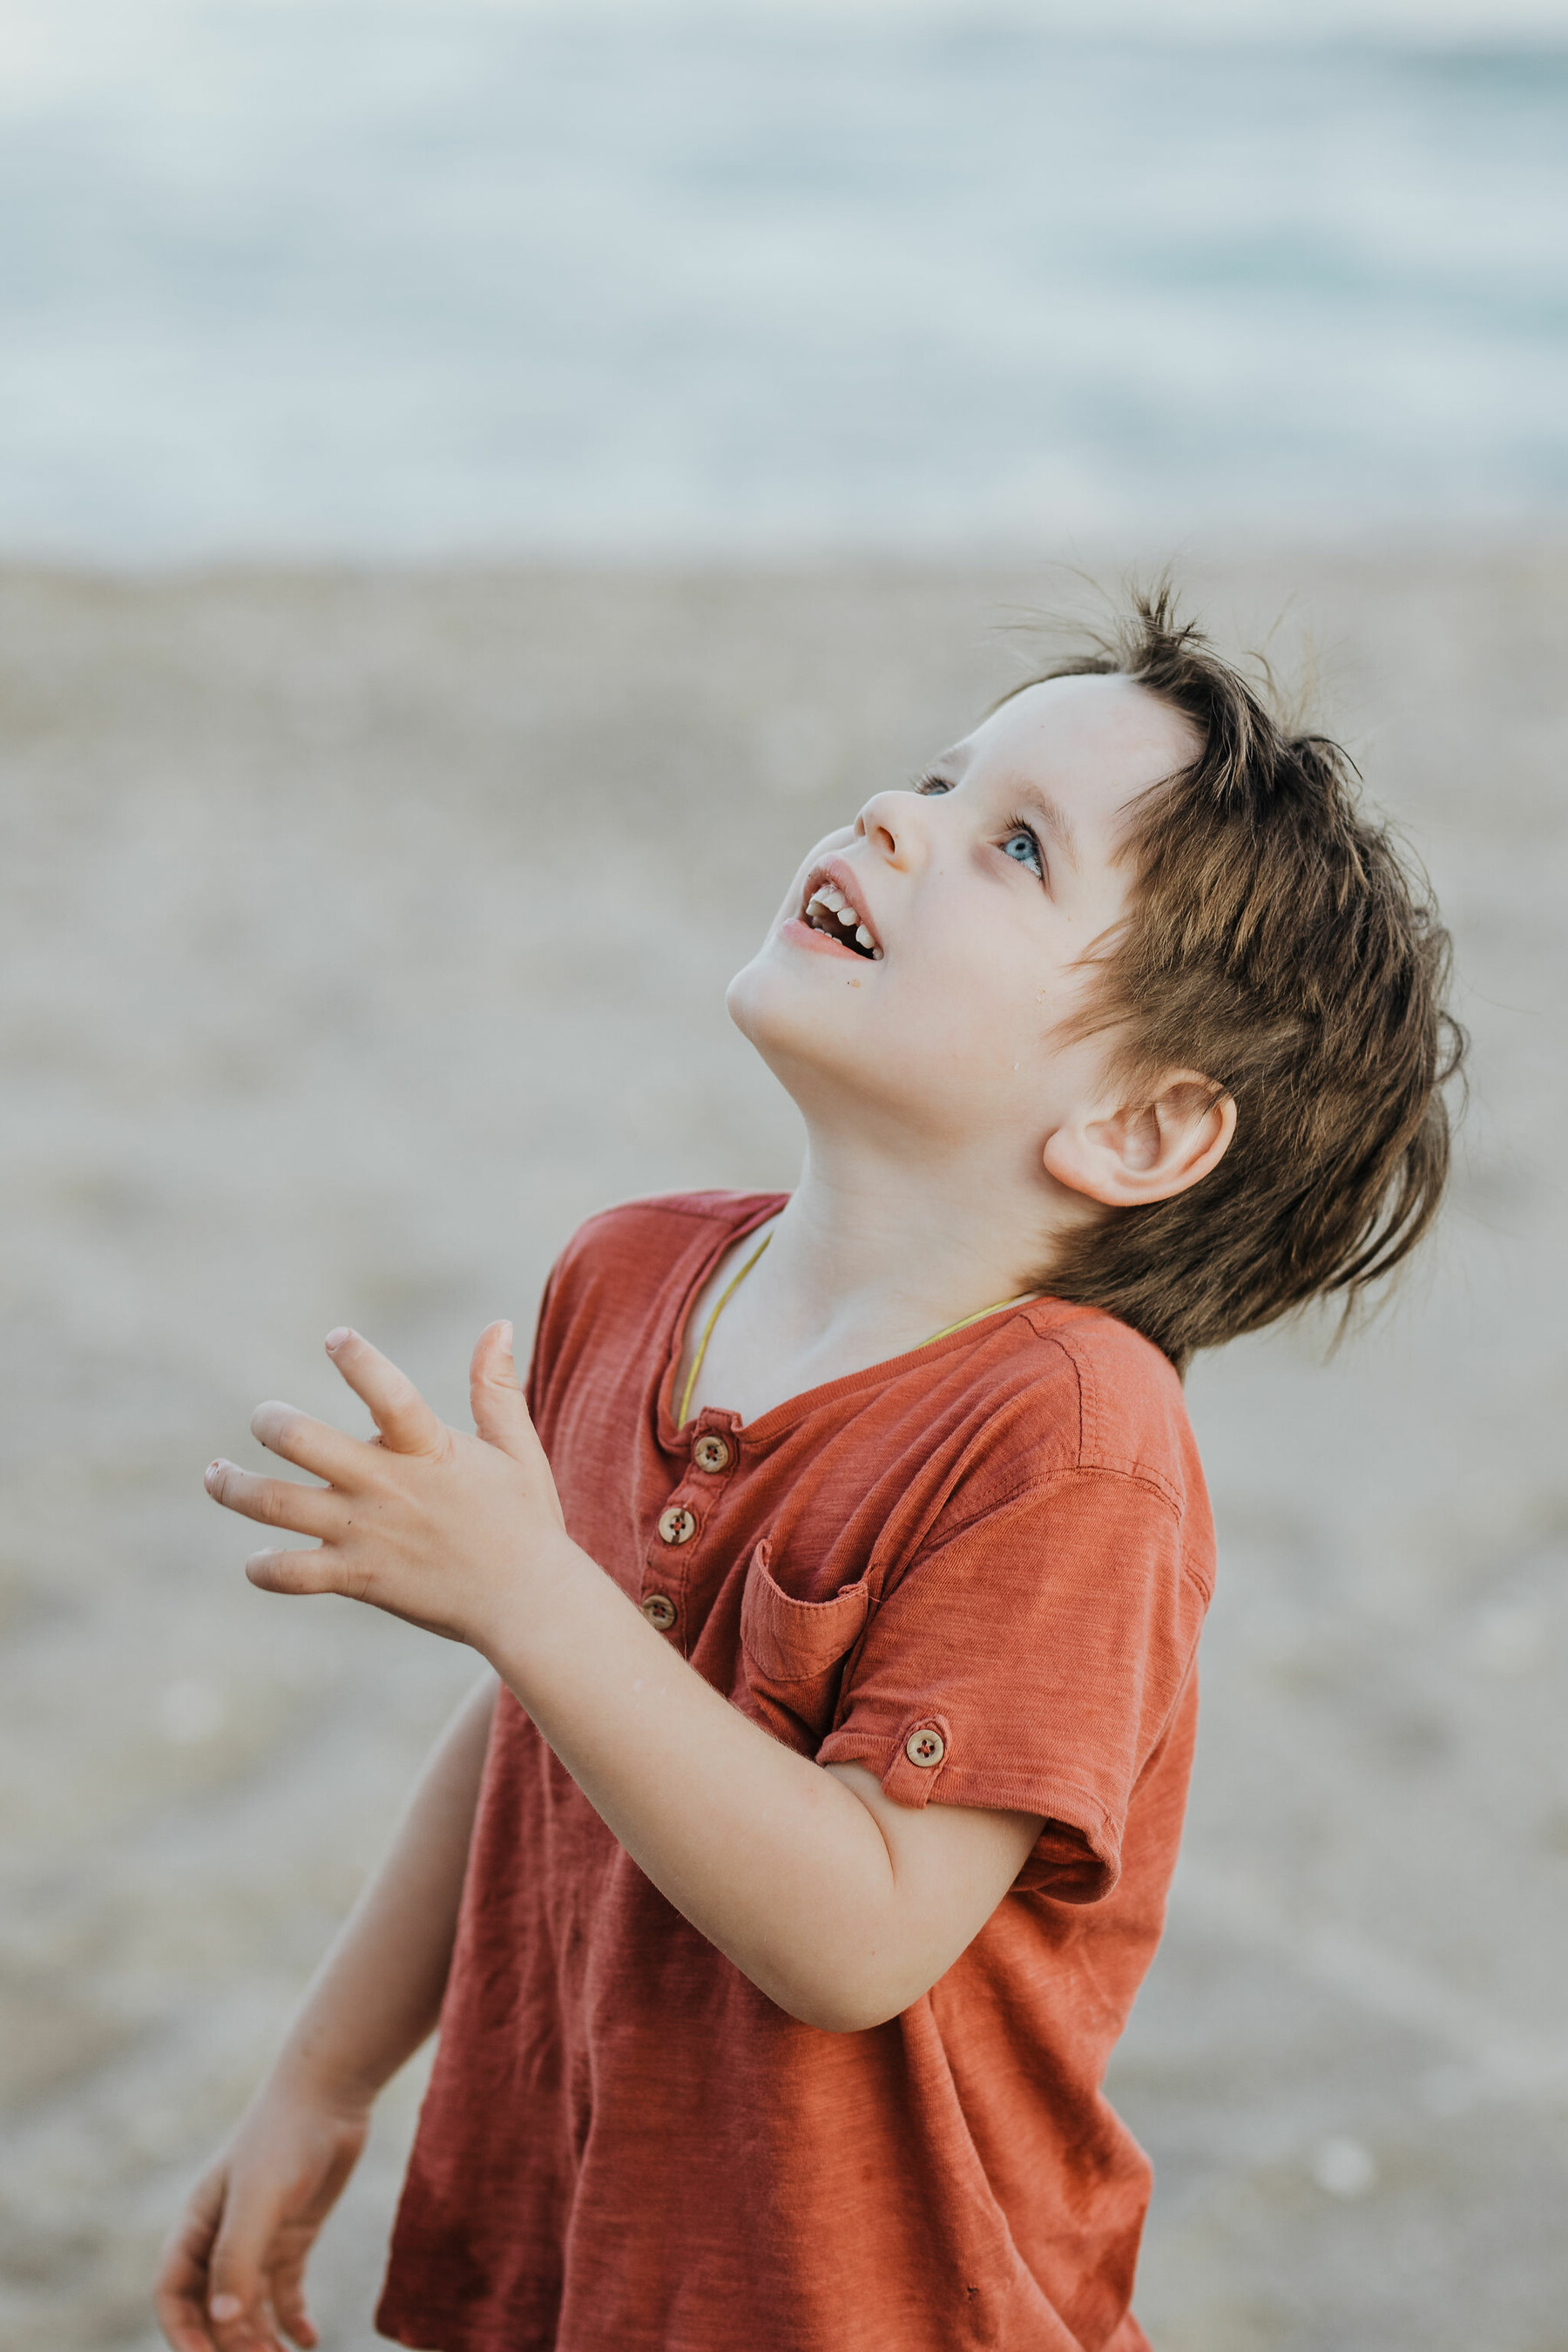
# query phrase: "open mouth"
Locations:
[[831, 910]]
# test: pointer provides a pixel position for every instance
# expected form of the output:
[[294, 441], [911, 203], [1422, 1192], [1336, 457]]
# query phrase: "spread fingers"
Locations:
[[309, 1444], [277, 1502], [407, 1424]]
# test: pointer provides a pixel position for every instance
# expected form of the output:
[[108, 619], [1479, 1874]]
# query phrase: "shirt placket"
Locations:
[[674, 1550]]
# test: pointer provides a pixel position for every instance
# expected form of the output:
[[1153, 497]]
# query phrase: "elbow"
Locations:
[[843, 2004], [851, 2019]]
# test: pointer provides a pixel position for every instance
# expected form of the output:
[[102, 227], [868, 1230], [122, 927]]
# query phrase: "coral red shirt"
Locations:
[[979, 1569]]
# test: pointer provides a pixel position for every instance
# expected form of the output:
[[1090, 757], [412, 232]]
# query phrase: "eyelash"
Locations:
[[1014, 825]]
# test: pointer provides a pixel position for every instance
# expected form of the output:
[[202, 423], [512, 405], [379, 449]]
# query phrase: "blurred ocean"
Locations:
[[451, 276]]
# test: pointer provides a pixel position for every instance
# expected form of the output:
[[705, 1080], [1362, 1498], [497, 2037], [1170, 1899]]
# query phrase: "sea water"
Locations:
[[438, 276]]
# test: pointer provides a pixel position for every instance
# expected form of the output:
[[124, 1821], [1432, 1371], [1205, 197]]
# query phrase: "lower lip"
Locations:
[[801, 934]]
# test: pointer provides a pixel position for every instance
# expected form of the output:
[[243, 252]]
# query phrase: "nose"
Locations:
[[894, 823]]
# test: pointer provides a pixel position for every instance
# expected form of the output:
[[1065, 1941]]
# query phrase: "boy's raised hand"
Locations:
[[421, 1520]]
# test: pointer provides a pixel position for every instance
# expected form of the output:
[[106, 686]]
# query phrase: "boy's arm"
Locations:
[[242, 2242], [841, 1905], [377, 1994]]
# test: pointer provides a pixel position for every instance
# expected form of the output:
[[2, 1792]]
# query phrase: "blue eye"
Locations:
[[1024, 850]]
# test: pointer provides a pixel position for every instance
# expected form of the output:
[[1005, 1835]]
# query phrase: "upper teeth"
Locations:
[[832, 901]]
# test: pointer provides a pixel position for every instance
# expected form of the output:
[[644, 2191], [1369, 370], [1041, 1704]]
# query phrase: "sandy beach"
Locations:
[[363, 932]]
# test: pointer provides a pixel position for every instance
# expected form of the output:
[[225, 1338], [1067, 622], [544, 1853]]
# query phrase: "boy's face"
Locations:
[[974, 898]]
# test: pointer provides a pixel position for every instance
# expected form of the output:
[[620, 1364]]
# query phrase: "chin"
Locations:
[[784, 1011], [835, 1070], [763, 1004]]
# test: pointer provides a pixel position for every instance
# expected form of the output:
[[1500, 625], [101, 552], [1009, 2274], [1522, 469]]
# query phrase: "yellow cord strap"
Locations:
[[729, 1289], [980, 1314], [724, 1298]]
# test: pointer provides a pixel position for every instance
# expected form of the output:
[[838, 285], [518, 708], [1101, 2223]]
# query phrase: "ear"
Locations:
[[1144, 1151]]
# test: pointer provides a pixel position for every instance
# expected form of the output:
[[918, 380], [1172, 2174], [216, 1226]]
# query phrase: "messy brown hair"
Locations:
[[1281, 943]]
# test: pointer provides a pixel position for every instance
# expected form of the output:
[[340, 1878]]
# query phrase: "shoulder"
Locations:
[[1080, 1398], [619, 1286], [623, 1264], [1131, 1412], [649, 1237]]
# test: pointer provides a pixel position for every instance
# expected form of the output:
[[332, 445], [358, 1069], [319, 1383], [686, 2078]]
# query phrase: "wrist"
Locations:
[[532, 1616], [303, 2076]]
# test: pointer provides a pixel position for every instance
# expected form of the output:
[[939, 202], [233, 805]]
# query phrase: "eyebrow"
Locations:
[[1053, 816], [1022, 789]]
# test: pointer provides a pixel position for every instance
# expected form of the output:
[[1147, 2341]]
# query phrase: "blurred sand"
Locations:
[[361, 934]]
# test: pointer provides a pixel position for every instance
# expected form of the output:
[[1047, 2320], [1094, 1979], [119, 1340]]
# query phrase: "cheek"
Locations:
[[986, 986], [959, 1030]]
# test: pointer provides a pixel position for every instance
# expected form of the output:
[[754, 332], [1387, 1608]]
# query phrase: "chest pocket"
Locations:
[[793, 1652]]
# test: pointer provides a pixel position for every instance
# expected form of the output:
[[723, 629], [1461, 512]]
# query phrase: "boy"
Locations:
[[784, 1890]]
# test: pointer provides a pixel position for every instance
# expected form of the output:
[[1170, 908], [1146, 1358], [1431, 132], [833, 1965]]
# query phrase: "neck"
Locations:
[[900, 1243]]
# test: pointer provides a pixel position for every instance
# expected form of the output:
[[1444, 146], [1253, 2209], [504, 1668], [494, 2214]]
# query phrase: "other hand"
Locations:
[[232, 2275]]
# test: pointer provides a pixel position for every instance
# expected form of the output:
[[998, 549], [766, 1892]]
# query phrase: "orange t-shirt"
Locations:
[[1001, 1539]]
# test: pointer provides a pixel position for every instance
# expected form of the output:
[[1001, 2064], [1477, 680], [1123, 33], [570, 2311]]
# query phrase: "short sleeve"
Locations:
[[1031, 1662]]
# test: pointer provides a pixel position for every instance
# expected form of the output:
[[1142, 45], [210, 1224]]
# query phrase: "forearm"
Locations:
[[841, 1905], [377, 1994], [772, 1857]]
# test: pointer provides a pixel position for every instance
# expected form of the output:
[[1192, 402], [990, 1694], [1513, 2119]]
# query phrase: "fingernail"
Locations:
[[335, 1339], [211, 1472], [226, 2306], [506, 1336]]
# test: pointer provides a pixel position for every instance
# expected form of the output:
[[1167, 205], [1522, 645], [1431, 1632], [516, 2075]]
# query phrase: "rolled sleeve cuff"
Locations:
[[1076, 1858]]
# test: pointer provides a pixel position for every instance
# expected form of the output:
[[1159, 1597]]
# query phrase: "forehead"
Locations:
[[1092, 743]]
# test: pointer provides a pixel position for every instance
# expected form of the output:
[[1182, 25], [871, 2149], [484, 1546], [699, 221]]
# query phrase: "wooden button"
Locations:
[[660, 1611], [677, 1525], [925, 1749], [712, 1452]]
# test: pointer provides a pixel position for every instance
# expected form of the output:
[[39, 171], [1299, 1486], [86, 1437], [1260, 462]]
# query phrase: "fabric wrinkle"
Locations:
[[980, 1571]]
